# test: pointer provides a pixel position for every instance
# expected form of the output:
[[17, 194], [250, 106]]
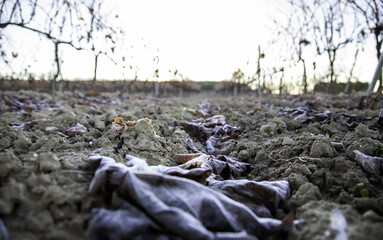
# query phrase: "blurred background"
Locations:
[[277, 46]]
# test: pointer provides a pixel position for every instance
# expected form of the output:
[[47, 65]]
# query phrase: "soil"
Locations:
[[318, 143]]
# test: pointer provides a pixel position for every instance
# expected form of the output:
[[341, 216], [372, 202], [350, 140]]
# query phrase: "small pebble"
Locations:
[[305, 170], [287, 141], [51, 129]]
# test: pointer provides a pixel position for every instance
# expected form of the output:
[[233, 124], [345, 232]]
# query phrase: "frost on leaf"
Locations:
[[78, 129]]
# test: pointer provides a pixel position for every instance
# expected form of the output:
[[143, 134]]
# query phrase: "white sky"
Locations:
[[203, 39]]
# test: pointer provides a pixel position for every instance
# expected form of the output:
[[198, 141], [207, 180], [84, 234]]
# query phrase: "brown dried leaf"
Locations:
[[119, 125], [196, 162]]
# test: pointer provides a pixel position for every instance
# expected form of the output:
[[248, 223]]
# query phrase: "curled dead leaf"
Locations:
[[78, 129], [119, 125], [195, 162]]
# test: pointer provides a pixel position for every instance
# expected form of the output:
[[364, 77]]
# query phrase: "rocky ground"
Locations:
[[328, 149]]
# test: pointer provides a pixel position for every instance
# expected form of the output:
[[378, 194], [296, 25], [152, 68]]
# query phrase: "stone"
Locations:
[[287, 141], [51, 129], [305, 170]]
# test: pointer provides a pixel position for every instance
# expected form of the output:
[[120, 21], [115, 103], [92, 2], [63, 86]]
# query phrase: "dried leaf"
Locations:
[[368, 163], [119, 125], [268, 194], [119, 128], [25, 126], [197, 174], [183, 207], [78, 129], [228, 167], [191, 146], [195, 162], [193, 129], [287, 141], [339, 225]]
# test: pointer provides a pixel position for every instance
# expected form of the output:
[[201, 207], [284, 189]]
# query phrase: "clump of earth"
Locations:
[[329, 150]]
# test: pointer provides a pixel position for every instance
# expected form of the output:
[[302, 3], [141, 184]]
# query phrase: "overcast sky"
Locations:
[[202, 39]]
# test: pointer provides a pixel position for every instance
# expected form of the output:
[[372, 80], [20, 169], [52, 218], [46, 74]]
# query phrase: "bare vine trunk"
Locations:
[[347, 88], [304, 77], [58, 68], [95, 67], [378, 46], [332, 69]]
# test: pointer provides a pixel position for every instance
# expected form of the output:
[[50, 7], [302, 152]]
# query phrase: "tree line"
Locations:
[[83, 25], [319, 28]]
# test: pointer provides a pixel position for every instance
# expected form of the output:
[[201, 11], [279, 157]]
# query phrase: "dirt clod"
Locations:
[[47, 162], [319, 149]]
